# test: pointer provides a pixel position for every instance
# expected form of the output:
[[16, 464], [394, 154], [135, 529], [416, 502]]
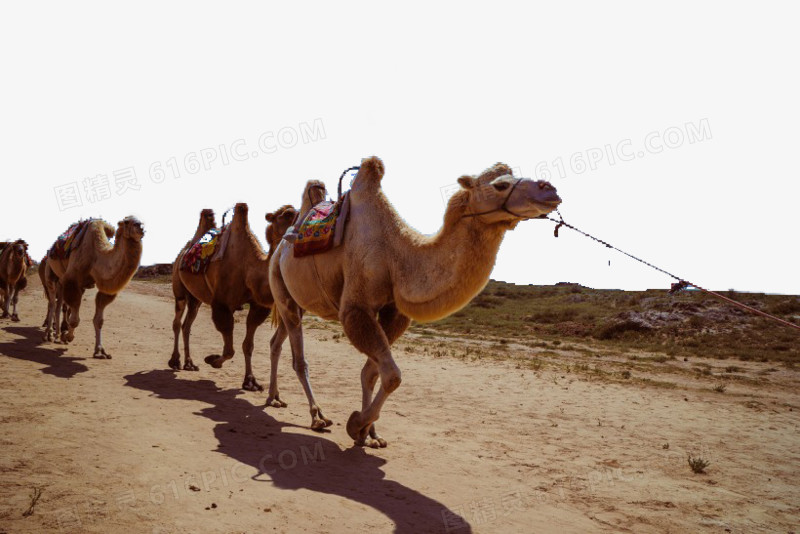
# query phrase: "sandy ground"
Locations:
[[127, 445]]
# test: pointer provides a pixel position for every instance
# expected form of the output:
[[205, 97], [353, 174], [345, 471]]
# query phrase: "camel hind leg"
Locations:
[[101, 301], [291, 317], [255, 318], [46, 323], [175, 361], [193, 306], [275, 346]]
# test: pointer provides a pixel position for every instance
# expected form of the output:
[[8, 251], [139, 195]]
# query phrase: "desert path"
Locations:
[[128, 445]]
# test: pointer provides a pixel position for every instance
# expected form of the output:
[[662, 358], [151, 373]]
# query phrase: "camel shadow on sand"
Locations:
[[29, 348], [302, 459]]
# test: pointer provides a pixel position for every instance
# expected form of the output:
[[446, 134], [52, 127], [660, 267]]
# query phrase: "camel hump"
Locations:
[[369, 175], [107, 229], [240, 210]]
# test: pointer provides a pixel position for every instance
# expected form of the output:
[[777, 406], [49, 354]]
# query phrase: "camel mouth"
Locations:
[[549, 205]]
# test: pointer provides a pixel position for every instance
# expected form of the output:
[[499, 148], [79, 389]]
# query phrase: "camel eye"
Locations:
[[501, 186]]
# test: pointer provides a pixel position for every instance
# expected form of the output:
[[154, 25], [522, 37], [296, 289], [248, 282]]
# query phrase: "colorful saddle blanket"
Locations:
[[198, 257], [68, 241], [315, 234]]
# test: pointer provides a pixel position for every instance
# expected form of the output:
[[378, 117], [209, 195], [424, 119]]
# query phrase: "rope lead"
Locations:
[[682, 283]]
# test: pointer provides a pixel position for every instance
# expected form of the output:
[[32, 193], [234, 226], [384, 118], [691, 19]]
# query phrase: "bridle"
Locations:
[[504, 206]]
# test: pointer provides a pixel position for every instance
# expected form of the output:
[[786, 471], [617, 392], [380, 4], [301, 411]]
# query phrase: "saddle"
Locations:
[[324, 225], [210, 247], [68, 241], [322, 229]]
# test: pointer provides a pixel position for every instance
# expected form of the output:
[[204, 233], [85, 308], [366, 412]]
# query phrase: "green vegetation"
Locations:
[[670, 327]]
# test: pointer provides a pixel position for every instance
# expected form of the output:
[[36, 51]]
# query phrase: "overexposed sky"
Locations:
[[670, 130]]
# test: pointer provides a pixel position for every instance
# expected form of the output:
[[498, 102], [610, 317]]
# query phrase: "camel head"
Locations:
[[495, 196], [130, 228], [18, 250], [208, 219], [279, 221]]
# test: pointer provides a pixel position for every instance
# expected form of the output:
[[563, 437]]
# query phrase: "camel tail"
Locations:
[[276, 319]]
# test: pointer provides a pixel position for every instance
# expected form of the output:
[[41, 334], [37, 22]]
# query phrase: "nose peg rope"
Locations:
[[680, 285]]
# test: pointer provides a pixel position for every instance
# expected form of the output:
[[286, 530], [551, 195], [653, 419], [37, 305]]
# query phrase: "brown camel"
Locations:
[[95, 261], [184, 299], [280, 220], [386, 273], [240, 277], [13, 267], [48, 278]]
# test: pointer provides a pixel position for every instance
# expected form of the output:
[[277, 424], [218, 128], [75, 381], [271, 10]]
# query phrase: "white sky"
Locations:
[[89, 89]]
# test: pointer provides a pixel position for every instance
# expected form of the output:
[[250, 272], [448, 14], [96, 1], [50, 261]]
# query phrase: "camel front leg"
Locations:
[[275, 346], [101, 301], [369, 377], [367, 335], [6, 297], [222, 317], [255, 318], [71, 293], [14, 299]]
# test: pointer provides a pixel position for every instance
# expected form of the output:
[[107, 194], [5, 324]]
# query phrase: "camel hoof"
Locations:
[[174, 364], [48, 336], [375, 443], [319, 425], [250, 384], [214, 361], [276, 403], [190, 366], [354, 428], [15, 318], [101, 354], [4, 316]]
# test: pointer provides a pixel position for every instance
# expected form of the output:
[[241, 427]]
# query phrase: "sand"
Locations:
[[128, 445]]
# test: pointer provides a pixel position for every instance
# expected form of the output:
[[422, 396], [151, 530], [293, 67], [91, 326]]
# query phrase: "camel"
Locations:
[[385, 274], [45, 274], [280, 220], [184, 298], [240, 277], [13, 267], [95, 261]]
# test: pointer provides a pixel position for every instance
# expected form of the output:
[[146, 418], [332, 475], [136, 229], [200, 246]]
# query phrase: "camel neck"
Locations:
[[438, 275], [117, 264]]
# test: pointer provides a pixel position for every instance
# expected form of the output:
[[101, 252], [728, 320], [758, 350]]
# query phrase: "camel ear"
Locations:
[[467, 182], [270, 217]]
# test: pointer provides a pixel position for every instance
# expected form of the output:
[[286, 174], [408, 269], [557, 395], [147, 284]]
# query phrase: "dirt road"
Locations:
[[127, 445]]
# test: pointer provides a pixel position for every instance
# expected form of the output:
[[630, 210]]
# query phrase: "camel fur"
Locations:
[[95, 262], [240, 277], [13, 268], [386, 273]]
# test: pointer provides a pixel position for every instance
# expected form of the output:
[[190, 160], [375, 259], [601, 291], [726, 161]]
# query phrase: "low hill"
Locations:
[[687, 323]]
